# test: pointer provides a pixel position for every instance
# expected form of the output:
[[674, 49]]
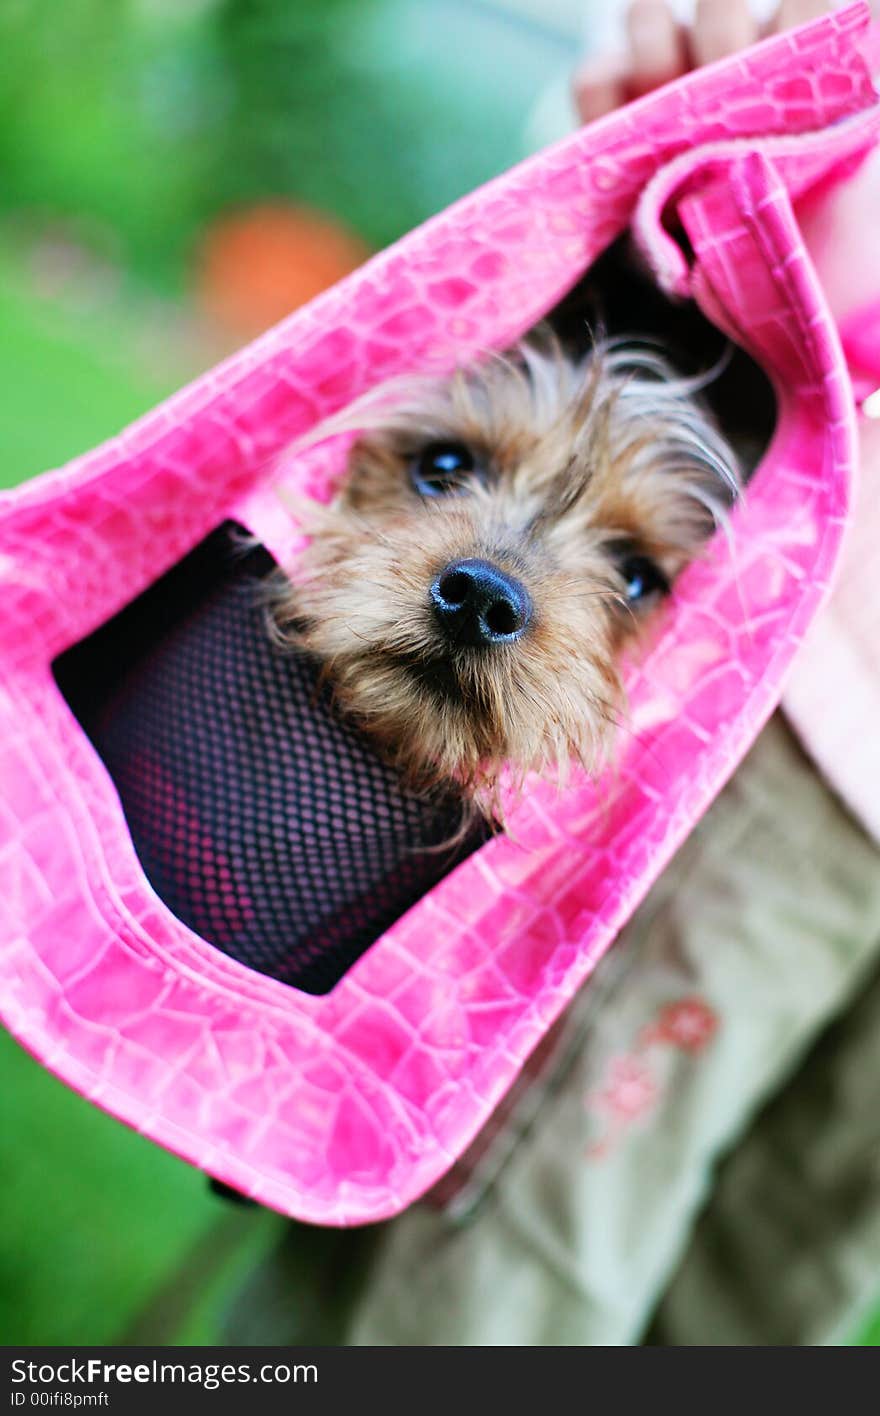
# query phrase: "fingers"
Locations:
[[721, 28], [797, 12], [659, 49], [656, 46], [599, 87]]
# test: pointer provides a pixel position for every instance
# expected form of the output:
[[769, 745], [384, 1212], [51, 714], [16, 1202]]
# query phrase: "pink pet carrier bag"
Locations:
[[217, 923]]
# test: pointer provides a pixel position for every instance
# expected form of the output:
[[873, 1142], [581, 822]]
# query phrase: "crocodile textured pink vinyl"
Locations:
[[343, 1108]]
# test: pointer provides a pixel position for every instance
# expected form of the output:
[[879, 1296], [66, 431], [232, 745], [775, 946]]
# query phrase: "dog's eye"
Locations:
[[441, 468], [642, 578]]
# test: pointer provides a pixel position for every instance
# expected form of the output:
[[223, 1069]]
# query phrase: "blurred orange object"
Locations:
[[257, 264]]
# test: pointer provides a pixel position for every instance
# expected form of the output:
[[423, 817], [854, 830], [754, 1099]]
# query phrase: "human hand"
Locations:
[[659, 48]]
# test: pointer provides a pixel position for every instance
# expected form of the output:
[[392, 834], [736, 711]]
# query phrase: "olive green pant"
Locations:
[[697, 1161]]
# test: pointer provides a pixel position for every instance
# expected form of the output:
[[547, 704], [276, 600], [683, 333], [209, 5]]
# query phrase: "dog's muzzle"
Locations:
[[477, 604]]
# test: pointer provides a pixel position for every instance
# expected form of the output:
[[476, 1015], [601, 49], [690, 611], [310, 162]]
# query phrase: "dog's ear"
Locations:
[[668, 452]]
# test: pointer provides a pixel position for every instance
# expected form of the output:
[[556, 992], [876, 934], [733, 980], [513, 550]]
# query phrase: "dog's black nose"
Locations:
[[476, 603]]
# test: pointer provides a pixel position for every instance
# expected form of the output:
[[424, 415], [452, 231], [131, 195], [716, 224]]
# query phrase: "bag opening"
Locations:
[[264, 821]]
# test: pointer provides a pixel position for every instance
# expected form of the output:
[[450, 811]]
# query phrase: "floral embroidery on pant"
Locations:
[[631, 1086]]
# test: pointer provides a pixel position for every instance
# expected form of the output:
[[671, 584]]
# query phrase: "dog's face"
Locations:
[[497, 539]]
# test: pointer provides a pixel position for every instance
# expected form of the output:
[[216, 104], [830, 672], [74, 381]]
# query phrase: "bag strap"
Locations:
[[870, 47], [833, 178]]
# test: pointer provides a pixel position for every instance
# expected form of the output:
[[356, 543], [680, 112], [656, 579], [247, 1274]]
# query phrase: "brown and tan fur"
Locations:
[[582, 465]]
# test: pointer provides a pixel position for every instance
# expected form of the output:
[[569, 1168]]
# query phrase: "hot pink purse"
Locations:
[[343, 1106]]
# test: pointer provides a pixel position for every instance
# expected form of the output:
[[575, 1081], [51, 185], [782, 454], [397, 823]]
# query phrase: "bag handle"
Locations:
[[870, 47]]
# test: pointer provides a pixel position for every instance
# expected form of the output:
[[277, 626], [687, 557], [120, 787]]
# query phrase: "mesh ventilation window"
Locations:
[[264, 821]]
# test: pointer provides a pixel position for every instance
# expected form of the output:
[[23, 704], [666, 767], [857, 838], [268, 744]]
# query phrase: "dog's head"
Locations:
[[497, 538]]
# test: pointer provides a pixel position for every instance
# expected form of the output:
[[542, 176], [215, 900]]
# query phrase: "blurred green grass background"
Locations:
[[126, 128]]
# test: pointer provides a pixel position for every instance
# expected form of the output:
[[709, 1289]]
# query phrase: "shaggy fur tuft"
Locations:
[[593, 483]]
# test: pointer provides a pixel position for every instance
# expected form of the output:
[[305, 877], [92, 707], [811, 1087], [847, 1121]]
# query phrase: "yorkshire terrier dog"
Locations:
[[498, 537]]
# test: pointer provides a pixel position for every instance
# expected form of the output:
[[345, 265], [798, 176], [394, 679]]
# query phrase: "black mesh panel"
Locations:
[[265, 822]]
